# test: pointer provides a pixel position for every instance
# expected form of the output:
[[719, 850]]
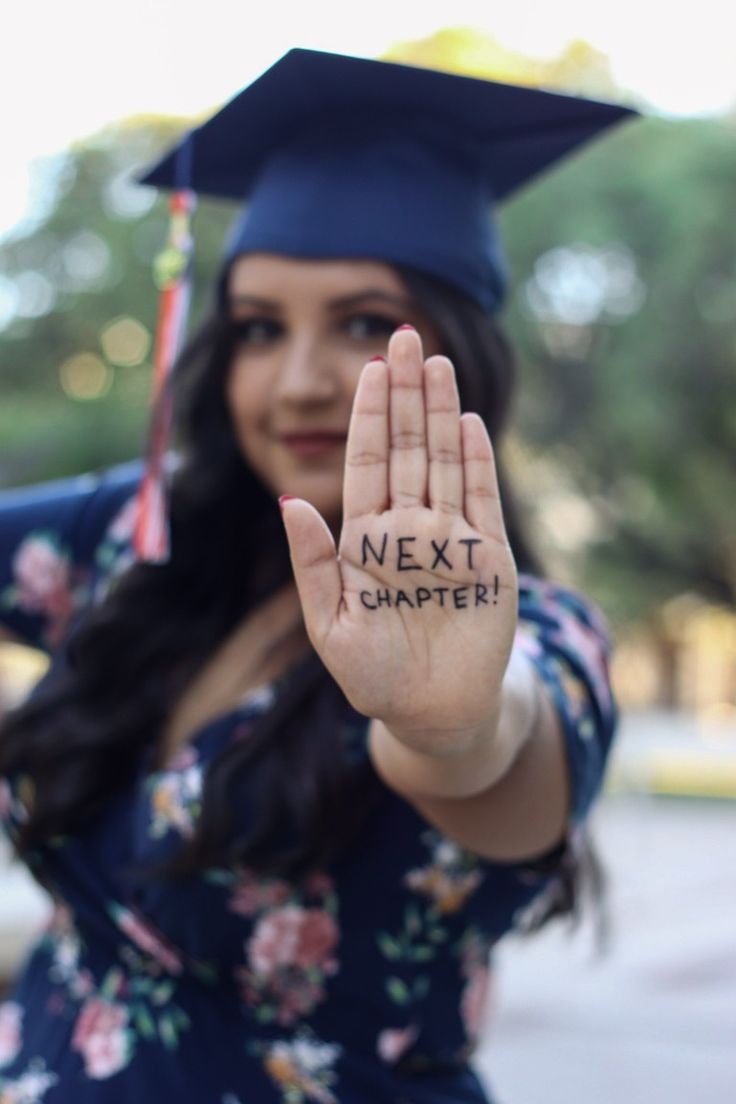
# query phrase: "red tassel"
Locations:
[[172, 271]]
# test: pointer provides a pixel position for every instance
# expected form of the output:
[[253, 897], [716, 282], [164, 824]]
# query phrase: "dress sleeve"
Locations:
[[56, 541], [568, 641]]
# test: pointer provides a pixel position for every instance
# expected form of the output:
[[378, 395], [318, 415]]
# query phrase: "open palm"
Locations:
[[415, 615]]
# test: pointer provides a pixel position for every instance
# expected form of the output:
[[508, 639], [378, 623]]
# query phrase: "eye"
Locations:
[[364, 326], [255, 331]]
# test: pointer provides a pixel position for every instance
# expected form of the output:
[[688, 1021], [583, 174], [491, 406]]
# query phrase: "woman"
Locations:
[[287, 796]]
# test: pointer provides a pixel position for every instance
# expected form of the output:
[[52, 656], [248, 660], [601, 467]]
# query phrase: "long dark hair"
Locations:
[[81, 734]]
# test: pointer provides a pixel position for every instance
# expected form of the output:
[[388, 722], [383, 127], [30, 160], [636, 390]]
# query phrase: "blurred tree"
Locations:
[[79, 306], [580, 68], [623, 313], [625, 320]]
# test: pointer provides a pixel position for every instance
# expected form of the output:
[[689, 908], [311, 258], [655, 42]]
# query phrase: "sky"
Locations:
[[70, 67]]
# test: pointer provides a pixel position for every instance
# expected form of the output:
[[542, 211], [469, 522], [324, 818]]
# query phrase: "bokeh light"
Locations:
[[86, 258], [124, 199], [36, 295], [125, 342], [85, 377], [8, 301]]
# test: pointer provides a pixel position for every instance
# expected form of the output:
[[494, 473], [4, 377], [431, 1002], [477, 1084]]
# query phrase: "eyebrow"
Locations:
[[335, 304]]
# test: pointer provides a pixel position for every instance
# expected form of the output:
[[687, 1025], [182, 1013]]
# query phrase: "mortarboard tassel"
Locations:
[[172, 274]]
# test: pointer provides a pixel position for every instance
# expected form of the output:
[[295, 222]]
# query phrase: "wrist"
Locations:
[[464, 763]]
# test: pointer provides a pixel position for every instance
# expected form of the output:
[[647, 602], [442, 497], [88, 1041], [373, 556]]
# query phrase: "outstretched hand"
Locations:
[[415, 615]]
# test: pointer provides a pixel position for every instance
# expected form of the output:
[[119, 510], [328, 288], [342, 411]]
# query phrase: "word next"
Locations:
[[405, 560]]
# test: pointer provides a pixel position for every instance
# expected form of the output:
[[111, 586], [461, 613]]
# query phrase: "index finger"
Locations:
[[365, 487]]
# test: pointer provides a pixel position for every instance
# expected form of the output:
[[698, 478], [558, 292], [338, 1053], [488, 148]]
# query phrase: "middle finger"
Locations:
[[408, 433]]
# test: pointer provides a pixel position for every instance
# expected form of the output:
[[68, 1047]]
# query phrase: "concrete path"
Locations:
[[655, 1021]]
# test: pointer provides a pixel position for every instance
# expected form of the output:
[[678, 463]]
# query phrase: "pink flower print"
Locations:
[[123, 524], [274, 941], [98, 1017], [100, 1036], [289, 956], [11, 1018], [317, 938], [293, 936], [61, 921], [393, 1042], [252, 894], [527, 643], [295, 996], [147, 939], [41, 573], [43, 582], [318, 884], [588, 646], [82, 985], [474, 1001], [476, 970]]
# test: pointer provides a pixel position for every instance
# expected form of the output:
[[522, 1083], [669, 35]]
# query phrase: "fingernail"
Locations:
[[379, 357], [406, 326], [285, 498]]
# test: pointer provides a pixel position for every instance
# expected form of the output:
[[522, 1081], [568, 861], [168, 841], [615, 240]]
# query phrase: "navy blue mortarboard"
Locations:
[[343, 157]]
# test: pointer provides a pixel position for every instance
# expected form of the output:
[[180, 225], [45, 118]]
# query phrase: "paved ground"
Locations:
[[655, 1021]]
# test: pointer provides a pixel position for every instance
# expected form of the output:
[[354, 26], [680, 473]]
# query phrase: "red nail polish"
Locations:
[[406, 326], [285, 498], [379, 357]]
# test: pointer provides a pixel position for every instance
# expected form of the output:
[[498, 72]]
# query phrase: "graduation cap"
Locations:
[[339, 156], [342, 157]]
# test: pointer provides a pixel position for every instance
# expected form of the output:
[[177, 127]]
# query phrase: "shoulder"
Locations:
[[72, 497], [554, 604], [57, 541], [568, 639], [558, 619]]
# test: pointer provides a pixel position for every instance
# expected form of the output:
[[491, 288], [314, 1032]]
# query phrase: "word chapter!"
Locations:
[[460, 597]]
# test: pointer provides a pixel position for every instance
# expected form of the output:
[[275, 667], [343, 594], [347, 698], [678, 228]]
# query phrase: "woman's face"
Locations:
[[305, 329]]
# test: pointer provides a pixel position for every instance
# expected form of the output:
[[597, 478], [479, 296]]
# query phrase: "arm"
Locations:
[[508, 798], [486, 691]]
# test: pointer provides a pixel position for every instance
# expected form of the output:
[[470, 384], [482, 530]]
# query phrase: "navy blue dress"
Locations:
[[360, 984]]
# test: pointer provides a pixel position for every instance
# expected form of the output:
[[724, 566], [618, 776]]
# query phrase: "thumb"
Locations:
[[314, 560]]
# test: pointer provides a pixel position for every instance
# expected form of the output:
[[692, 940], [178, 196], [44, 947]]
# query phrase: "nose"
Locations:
[[306, 374]]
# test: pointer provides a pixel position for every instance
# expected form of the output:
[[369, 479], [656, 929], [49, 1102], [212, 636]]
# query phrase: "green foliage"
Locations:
[[624, 318], [634, 406], [88, 265]]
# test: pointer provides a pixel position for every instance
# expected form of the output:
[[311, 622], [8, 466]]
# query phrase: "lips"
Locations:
[[314, 443]]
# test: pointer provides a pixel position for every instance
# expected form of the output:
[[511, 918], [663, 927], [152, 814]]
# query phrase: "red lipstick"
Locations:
[[312, 444]]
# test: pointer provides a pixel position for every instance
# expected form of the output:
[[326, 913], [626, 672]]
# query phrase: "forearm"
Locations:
[[505, 796]]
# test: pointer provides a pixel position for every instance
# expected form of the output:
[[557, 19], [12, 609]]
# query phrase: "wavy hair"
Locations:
[[83, 731]]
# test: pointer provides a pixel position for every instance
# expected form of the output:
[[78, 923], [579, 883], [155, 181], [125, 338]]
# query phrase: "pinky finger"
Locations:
[[482, 499]]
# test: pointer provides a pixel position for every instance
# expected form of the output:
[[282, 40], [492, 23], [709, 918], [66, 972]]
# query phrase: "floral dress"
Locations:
[[363, 983]]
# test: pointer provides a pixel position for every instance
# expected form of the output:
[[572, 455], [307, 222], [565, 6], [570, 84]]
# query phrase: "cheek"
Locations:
[[246, 396]]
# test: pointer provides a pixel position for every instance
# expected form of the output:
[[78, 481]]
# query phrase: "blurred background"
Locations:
[[623, 445]]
